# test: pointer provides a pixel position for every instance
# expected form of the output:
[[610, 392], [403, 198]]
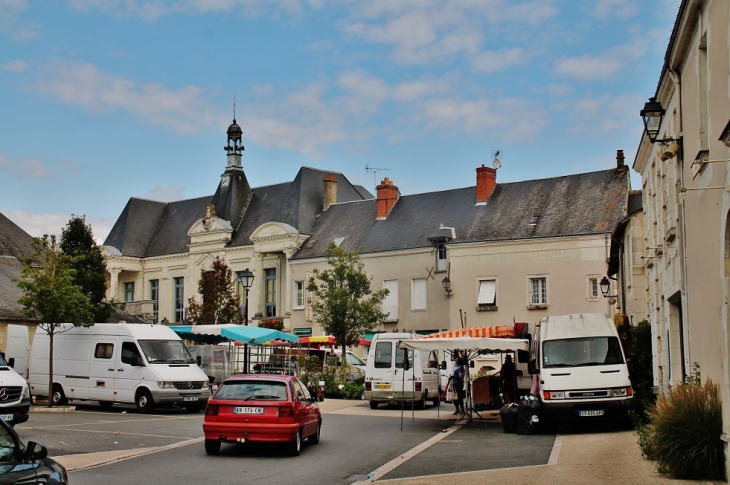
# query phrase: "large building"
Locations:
[[508, 251]]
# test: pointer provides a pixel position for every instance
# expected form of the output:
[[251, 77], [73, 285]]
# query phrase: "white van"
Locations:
[[386, 381], [146, 365], [14, 394], [582, 369]]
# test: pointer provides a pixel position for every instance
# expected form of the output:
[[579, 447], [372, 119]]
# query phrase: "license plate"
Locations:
[[7, 417], [599, 412], [190, 398], [382, 386], [247, 410]]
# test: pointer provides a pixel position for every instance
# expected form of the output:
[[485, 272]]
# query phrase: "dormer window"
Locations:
[[338, 241], [533, 221]]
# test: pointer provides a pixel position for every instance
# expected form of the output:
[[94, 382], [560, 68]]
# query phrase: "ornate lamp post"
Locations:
[[246, 280]]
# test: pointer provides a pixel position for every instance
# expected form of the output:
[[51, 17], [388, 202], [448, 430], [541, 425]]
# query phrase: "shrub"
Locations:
[[684, 434]]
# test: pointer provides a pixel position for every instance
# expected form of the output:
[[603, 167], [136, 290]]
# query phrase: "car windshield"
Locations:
[[252, 390], [579, 352], [353, 359], [166, 352], [2, 361]]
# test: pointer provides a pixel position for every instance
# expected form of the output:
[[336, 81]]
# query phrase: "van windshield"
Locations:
[[166, 352], [577, 352], [353, 359]]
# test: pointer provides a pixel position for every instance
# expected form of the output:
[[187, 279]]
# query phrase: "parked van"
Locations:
[[581, 367], [394, 375], [146, 365], [14, 394]]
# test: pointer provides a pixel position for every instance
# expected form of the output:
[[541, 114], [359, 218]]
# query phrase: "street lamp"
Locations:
[[245, 277], [447, 285], [652, 115], [606, 288]]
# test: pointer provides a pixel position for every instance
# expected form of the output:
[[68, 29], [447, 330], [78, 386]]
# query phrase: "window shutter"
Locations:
[[419, 294], [390, 303], [487, 292]]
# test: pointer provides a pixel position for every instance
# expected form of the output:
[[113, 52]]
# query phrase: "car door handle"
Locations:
[[120, 370], [110, 370]]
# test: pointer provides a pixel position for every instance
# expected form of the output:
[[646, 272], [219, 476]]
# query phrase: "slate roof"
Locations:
[[582, 204], [147, 228], [15, 245]]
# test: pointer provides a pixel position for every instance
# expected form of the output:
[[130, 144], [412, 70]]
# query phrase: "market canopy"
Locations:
[[472, 343], [327, 340], [213, 334]]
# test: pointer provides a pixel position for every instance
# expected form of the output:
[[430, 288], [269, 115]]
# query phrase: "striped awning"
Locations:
[[493, 331]]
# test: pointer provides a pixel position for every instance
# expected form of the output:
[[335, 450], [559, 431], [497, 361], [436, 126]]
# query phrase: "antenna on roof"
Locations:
[[495, 158], [234, 106], [375, 171]]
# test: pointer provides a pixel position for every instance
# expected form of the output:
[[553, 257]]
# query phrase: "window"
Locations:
[[129, 291], [300, 294], [538, 291], [441, 263], [270, 292], [8, 448], [487, 298], [390, 303], [418, 294], [179, 298], [402, 356], [593, 289], [103, 351], [130, 354], [383, 355], [155, 297]]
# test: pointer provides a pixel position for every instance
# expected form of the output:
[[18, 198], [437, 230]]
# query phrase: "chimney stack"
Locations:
[[486, 181], [330, 190], [620, 165], [387, 196]]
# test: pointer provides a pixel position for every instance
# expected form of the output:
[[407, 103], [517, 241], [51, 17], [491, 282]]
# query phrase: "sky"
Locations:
[[103, 100]]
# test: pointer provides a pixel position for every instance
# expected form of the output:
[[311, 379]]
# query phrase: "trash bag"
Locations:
[[509, 414], [528, 416]]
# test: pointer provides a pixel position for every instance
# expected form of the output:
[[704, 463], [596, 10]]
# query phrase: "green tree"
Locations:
[[50, 296], [219, 300], [85, 257], [344, 305]]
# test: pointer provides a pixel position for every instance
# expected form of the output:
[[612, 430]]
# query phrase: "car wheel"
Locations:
[[314, 439], [194, 407], [59, 398], [374, 404], [144, 401], [106, 404], [295, 447], [212, 447]]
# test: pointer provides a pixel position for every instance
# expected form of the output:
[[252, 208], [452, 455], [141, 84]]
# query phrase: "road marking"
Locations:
[[396, 462], [555, 454]]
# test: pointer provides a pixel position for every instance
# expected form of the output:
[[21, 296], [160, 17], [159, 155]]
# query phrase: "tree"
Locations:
[[219, 300], [84, 256], [344, 305], [50, 295]]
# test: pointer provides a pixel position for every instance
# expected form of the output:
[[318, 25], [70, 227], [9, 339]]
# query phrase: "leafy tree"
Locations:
[[50, 295], [84, 256], [344, 305], [219, 300]]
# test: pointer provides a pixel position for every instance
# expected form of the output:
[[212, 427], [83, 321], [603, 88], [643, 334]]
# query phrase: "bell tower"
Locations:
[[234, 148], [234, 194]]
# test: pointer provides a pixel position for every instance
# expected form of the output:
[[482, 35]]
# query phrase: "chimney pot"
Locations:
[[620, 165], [387, 196], [486, 181], [330, 190]]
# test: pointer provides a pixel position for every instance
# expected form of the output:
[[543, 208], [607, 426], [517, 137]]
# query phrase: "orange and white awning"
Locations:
[[493, 331]]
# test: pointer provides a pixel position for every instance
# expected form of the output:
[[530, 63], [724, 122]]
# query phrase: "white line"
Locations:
[[555, 454], [133, 454]]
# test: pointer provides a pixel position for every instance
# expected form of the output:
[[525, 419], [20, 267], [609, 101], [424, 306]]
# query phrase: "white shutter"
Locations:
[[418, 299], [390, 303], [487, 292]]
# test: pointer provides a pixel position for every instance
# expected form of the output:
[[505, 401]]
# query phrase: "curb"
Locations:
[[55, 409]]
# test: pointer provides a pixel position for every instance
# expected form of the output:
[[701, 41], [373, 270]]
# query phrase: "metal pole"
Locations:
[[245, 346]]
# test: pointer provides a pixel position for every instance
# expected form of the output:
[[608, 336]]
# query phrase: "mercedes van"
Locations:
[[145, 365], [394, 375], [14, 394]]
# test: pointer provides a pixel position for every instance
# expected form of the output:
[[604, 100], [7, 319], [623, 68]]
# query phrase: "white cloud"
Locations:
[[605, 113], [184, 110], [588, 67], [39, 224], [412, 90], [623, 9], [15, 66], [11, 22], [165, 193], [494, 61], [23, 168]]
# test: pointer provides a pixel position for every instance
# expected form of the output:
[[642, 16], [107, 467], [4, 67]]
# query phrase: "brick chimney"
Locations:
[[620, 165], [330, 191], [387, 197], [486, 181]]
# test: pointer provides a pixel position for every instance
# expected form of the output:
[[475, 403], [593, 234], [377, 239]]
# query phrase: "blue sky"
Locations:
[[103, 100]]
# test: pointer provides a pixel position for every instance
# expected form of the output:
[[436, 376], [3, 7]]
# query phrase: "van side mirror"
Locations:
[[198, 360], [532, 367], [11, 362], [443, 365]]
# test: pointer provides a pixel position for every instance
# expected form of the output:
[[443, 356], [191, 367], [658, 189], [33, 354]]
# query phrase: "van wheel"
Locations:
[[212, 447], [374, 404], [58, 398], [144, 401], [295, 447], [106, 404], [194, 407]]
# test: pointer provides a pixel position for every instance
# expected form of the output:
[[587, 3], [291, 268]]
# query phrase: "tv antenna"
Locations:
[[495, 158], [375, 171]]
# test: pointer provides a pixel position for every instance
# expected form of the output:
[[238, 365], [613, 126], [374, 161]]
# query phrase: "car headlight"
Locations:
[[26, 393], [620, 392], [165, 385], [557, 395]]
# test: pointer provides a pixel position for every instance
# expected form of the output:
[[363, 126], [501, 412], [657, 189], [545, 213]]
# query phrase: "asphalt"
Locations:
[[463, 452]]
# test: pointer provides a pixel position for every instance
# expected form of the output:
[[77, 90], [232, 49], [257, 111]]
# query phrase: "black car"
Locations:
[[26, 464]]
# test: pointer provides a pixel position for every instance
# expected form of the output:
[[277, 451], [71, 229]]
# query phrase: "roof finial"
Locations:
[[234, 107]]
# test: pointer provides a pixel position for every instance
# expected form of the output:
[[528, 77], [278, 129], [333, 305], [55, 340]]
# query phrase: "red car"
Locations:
[[261, 408]]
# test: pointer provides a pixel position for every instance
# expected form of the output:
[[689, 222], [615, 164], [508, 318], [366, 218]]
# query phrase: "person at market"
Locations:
[[457, 384], [509, 383]]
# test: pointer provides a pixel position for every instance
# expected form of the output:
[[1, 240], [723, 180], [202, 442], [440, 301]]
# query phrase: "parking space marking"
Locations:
[[116, 433]]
